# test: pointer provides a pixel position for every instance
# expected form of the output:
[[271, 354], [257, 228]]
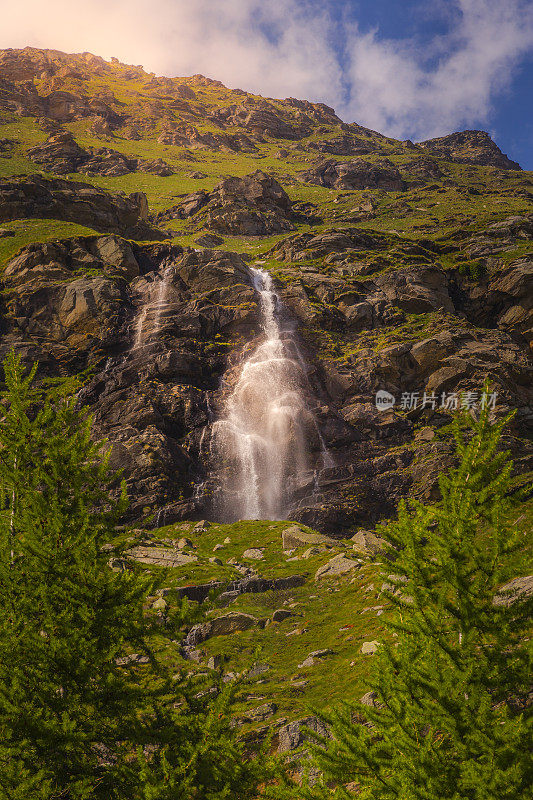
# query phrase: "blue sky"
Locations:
[[407, 68], [510, 116]]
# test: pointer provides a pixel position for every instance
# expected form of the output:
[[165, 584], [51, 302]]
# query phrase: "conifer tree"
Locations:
[[449, 719], [78, 719]]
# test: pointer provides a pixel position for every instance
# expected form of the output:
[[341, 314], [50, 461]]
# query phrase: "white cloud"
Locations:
[[285, 47], [392, 91]]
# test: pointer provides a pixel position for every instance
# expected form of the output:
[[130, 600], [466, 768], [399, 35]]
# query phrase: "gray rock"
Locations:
[[161, 556], [260, 713], [220, 626], [258, 669], [253, 553], [369, 648], [294, 536], [293, 735], [338, 565], [519, 589], [368, 543]]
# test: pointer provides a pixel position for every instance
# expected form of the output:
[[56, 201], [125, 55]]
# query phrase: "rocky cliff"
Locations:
[[406, 267], [132, 209]]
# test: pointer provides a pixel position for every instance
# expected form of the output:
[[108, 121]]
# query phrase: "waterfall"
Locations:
[[263, 442], [148, 322]]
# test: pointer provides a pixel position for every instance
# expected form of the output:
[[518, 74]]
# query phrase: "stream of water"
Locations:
[[148, 322], [263, 441]]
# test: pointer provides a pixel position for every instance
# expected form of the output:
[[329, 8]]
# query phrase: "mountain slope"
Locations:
[[131, 208]]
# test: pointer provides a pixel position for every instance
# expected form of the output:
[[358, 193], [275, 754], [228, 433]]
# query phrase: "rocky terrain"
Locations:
[[131, 209]]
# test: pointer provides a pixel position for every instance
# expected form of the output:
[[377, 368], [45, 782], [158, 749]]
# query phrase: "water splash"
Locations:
[[148, 322], [263, 443]]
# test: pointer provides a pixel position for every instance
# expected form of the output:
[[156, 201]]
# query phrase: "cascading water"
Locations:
[[263, 442], [149, 320]]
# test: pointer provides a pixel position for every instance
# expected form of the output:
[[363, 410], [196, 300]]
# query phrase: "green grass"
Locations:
[[29, 231], [320, 610]]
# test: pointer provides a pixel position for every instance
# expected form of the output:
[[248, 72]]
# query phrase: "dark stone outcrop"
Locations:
[[255, 205], [48, 198], [470, 147], [61, 154], [355, 174], [343, 145]]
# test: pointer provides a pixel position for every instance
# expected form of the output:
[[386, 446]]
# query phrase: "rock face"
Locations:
[[344, 145], [256, 205], [355, 174], [420, 294], [61, 154], [470, 147], [46, 198]]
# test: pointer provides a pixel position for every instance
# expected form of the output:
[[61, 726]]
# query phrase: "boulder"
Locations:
[[293, 735], [416, 289], [367, 543], [53, 198], [281, 614], [220, 626], [260, 713], [519, 589], [253, 553], [161, 556], [355, 174], [369, 648], [294, 536], [338, 565]]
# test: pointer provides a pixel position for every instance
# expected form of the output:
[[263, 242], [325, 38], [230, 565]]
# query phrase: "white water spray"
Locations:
[[149, 320], [264, 440]]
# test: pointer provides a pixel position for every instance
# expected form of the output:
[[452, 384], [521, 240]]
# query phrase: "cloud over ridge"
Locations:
[[286, 48]]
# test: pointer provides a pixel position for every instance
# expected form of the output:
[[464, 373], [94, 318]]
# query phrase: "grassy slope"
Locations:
[[332, 612], [336, 613]]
